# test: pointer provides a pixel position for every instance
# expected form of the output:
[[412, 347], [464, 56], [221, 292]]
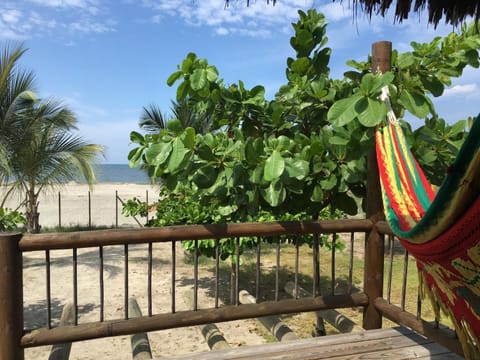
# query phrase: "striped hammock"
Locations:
[[441, 230]]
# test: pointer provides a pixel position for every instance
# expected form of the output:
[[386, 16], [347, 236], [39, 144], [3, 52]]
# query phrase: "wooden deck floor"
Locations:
[[392, 344]]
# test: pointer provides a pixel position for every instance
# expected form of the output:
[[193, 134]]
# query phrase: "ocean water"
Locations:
[[121, 173]]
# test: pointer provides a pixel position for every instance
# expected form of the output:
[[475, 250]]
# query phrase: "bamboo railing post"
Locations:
[[11, 297], [374, 244]]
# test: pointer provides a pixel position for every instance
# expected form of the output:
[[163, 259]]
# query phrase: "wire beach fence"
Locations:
[[75, 205], [119, 203]]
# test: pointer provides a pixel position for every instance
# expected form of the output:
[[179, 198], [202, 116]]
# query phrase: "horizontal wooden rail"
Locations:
[[84, 239], [442, 336], [383, 228], [45, 336]]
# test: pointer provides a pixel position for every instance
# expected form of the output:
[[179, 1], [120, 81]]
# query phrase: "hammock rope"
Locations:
[[442, 230]]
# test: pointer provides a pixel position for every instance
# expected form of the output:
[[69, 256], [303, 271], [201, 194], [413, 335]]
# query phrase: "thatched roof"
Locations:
[[453, 12]]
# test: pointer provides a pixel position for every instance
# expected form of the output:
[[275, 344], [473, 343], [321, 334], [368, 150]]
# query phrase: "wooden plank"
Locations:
[[394, 343]]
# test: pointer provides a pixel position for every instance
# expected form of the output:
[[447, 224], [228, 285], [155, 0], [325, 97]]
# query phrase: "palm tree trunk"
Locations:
[[32, 214]]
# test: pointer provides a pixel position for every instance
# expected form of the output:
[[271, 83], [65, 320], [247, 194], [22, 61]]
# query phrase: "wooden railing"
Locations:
[[15, 338]]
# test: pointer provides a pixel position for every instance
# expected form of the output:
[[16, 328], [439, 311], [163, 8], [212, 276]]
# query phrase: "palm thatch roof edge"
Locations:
[[453, 11]]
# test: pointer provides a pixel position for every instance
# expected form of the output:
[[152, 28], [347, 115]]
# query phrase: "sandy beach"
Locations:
[[72, 200], [75, 211]]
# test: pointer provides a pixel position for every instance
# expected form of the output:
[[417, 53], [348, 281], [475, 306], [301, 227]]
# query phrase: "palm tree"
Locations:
[[38, 147], [188, 117], [47, 154], [16, 91], [152, 120]]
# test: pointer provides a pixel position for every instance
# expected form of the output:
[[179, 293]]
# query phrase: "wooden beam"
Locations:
[[441, 336], [82, 239], [374, 244], [11, 297], [45, 336]]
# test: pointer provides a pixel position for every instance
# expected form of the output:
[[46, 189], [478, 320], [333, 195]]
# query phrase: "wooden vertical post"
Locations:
[[11, 297], [374, 244]]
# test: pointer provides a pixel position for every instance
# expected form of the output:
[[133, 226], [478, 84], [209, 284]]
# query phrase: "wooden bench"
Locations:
[[390, 343]]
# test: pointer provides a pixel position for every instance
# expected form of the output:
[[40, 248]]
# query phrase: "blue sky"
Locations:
[[106, 59]]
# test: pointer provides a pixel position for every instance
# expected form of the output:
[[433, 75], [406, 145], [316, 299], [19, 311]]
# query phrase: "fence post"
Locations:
[[11, 297], [374, 244], [59, 210]]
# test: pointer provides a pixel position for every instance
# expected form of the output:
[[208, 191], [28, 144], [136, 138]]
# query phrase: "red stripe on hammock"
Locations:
[[463, 234], [407, 184], [387, 187]]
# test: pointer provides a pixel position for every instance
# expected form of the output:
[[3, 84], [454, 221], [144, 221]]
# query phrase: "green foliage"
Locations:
[[133, 207], [188, 209], [435, 144], [11, 219], [306, 149]]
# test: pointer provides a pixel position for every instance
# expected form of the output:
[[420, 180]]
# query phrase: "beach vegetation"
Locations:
[[11, 220], [305, 150], [40, 148]]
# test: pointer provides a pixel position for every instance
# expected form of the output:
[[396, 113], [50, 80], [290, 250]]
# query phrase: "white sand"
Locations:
[[74, 204], [74, 210]]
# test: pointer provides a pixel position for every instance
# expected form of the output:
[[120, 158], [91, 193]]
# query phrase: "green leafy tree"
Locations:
[[306, 149], [39, 147]]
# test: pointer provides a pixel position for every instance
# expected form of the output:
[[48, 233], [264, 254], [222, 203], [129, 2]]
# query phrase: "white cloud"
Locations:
[[259, 19], [85, 111], [90, 6], [461, 90], [90, 26], [335, 11], [11, 16], [24, 19], [222, 31]]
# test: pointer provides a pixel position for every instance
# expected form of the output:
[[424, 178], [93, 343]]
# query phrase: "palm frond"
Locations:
[[152, 119]]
